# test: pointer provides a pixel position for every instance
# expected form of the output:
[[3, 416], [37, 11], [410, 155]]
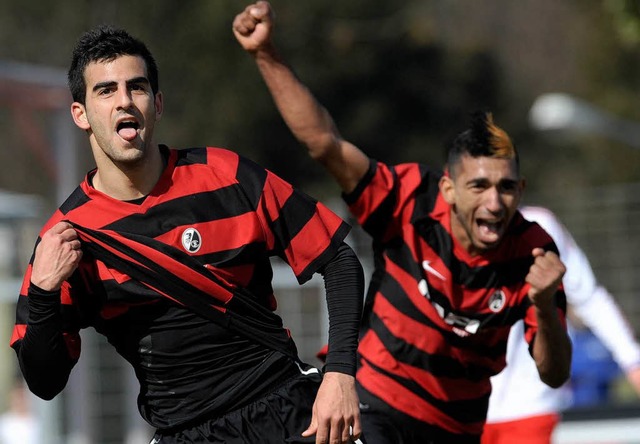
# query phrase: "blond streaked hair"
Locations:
[[483, 139]]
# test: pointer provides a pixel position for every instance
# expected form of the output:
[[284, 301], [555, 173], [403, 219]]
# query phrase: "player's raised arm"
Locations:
[[307, 119]]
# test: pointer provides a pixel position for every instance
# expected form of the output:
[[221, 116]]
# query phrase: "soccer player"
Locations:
[[524, 410], [456, 265], [167, 253]]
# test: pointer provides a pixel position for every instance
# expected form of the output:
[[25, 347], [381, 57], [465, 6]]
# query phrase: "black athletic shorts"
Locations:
[[278, 418]]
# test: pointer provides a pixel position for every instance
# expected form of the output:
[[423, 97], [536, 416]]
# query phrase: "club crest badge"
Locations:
[[191, 240], [497, 301]]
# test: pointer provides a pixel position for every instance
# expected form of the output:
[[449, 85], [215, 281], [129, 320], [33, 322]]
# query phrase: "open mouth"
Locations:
[[489, 231], [128, 129]]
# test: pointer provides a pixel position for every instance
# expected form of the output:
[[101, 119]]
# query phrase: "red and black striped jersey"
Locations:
[[231, 216], [437, 319]]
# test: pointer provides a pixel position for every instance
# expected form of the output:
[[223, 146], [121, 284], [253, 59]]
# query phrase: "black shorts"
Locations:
[[277, 418], [382, 424]]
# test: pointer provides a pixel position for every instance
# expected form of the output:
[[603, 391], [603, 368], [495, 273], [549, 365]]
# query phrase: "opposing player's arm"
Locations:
[[307, 119], [633, 376]]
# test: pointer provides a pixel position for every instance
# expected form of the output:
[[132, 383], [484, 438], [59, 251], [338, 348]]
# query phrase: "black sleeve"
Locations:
[[42, 353], [344, 285]]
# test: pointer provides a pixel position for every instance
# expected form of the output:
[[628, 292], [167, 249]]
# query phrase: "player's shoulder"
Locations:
[[56, 217], [223, 161], [410, 176], [528, 234], [203, 155], [413, 168], [546, 218]]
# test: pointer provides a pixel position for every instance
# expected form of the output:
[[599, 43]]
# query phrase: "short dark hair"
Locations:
[[482, 139], [105, 43]]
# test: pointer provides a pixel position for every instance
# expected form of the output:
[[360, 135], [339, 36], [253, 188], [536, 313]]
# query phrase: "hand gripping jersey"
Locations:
[[436, 319], [207, 229]]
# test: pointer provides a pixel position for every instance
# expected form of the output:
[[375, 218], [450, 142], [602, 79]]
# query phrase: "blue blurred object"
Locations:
[[593, 369]]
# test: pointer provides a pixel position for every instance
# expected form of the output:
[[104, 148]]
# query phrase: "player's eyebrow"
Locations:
[[135, 80]]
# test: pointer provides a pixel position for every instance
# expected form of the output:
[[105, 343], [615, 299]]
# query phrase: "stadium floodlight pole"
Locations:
[[563, 112]]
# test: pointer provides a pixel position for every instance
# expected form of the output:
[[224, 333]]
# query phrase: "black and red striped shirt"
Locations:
[[437, 319], [228, 214]]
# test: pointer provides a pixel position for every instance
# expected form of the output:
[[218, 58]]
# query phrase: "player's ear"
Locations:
[[159, 104], [448, 190], [79, 114]]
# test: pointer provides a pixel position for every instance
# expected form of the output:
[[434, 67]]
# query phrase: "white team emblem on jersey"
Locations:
[[191, 240], [497, 301]]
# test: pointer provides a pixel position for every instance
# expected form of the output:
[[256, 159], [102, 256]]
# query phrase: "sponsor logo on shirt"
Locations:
[[429, 269], [191, 240], [461, 325]]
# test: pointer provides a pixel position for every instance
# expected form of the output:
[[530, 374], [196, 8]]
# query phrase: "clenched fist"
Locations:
[[544, 277]]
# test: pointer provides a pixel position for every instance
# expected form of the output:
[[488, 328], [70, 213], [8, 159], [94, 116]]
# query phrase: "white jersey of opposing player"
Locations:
[[517, 391]]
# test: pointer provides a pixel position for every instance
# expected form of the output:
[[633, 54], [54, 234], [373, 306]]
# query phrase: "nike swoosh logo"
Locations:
[[155, 441], [429, 269]]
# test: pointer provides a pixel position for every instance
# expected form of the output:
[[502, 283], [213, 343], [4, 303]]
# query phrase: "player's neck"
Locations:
[[126, 181]]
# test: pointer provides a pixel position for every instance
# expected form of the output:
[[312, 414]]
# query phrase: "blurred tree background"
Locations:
[[400, 77]]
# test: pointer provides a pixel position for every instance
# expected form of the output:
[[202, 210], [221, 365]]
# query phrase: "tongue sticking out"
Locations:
[[488, 230], [127, 134]]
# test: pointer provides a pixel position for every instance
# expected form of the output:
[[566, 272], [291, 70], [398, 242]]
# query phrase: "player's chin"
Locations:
[[488, 238], [487, 243]]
